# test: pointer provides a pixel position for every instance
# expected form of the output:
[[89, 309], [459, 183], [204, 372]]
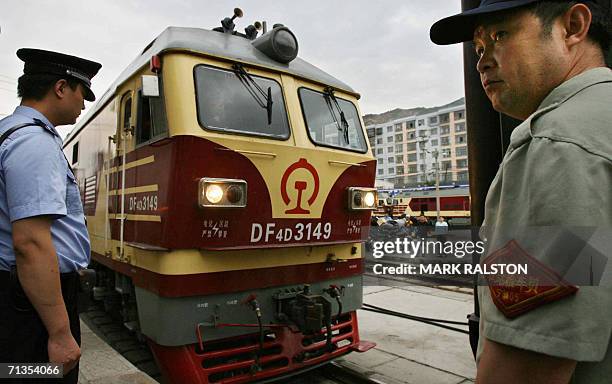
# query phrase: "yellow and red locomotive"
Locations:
[[225, 184]]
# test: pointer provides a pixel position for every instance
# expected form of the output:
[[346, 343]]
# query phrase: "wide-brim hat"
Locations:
[[39, 61], [459, 28]]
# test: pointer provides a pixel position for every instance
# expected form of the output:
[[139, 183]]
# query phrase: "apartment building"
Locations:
[[409, 150]]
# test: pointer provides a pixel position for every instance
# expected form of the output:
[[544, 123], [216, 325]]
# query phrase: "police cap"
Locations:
[[460, 27], [38, 61]]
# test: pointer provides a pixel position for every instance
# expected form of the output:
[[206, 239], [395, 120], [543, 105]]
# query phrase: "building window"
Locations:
[[433, 131], [433, 120], [460, 127], [399, 170], [463, 163], [446, 165], [445, 130], [460, 139], [381, 161], [380, 172], [411, 136], [390, 149], [434, 142], [399, 159], [398, 127], [411, 124], [459, 115], [391, 170], [412, 157], [379, 140], [379, 151], [411, 147], [461, 151], [422, 133], [412, 169], [399, 148], [422, 167], [444, 140], [421, 122], [399, 137], [390, 160], [389, 129], [444, 118], [462, 176], [390, 139], [446, 153], [379, 131]]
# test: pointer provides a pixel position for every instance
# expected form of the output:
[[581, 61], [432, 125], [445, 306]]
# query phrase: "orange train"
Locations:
[[454, 202]]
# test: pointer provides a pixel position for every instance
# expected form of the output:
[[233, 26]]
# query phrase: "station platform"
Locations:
[[101, 364], [410, 352]]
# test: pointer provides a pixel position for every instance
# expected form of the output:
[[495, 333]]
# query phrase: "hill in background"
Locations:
[[399, 113]]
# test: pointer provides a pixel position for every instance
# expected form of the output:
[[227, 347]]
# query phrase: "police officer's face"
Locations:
[[518, 66], [74, 103]]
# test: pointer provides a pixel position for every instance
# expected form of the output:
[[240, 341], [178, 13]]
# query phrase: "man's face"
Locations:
[[74, 103], [518, 66]]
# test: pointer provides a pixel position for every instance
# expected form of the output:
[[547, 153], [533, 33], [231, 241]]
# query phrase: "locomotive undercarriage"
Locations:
[[238, 337]]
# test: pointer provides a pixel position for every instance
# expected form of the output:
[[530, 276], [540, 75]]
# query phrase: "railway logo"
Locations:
[[300, 186]]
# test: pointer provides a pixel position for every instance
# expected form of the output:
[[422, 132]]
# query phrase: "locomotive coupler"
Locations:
[[309, 312]]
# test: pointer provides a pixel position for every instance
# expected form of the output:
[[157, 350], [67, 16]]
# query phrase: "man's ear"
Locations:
[[576, 22], [59, 89]]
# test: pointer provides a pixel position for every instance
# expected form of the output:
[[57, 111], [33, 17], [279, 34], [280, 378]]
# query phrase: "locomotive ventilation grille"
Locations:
[[234, 360]]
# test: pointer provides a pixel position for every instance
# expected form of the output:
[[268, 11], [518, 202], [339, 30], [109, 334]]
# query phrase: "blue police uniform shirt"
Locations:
[[35, 180]]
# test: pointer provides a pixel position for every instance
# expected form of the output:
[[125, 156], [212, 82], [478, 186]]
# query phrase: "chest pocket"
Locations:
[[73, 197]]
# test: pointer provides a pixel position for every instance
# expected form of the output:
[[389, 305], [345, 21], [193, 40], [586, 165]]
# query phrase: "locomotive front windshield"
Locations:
[[230, 102], [323, 114]]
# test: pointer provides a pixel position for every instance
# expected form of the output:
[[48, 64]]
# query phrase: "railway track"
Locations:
[[331, 373], [120, 339], [137, 352]]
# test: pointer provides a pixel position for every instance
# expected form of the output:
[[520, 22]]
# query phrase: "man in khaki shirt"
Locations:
[[543, 62]]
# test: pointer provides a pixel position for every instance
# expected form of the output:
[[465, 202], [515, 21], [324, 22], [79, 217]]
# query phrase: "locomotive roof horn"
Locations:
[[227, 24], [251, 31]]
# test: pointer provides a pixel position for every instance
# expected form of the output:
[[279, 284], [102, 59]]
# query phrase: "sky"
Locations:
[[380, 48]]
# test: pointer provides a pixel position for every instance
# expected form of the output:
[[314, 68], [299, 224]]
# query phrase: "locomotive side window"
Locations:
[[231, 103], [127, 111], [325, 124], [75, 153], [151, 119]]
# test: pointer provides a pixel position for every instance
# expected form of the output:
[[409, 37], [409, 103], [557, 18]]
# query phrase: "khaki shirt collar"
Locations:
[[556, 97], [576, 84]]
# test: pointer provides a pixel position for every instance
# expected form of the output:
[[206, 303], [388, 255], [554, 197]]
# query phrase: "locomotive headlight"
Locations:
[[214, 193], [361, 198], [370, 199], [279, 44], [223, 193]]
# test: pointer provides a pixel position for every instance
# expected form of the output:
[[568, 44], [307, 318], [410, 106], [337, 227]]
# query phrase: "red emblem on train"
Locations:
[[300, 186]]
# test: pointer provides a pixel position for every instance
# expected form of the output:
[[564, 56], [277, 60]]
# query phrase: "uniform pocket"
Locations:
[[73, 196]]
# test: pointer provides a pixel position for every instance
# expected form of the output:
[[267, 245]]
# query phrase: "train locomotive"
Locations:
[[454, 202], [226, 183]]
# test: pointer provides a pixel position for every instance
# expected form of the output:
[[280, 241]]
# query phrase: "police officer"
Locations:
[[543, 62], [43, 236]]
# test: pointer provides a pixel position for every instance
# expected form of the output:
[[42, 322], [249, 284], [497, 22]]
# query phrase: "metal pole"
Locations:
[[437, 169]]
